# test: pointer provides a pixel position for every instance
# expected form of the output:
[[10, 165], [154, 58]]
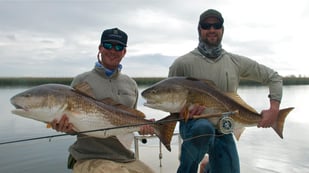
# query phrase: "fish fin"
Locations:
[[48, 125], [186, 113], [209, 83], [239, 100], [84, 88], [165, 130], [120, 106], [278, 126], [109, 101], [238, 132]]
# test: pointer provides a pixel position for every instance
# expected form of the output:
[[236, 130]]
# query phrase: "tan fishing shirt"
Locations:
[[226, 71]]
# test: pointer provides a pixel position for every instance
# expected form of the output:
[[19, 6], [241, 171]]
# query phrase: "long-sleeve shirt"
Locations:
[[121, 89], [226, 71]]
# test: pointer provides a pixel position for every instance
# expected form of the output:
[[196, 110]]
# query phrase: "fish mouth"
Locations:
[[19, 108], [149, 104], [150, 101], [20, 111], [15, 104]]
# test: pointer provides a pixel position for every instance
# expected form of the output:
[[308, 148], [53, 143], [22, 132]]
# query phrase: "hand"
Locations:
[[269, 117], [203, 163], [63, 125], [193, 110], [147, 129]]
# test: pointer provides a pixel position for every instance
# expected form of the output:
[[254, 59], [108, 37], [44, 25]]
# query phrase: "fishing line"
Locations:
[[203, 135], [89, 131], [122, 126]]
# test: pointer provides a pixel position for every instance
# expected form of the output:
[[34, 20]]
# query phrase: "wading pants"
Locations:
[[200, 137]]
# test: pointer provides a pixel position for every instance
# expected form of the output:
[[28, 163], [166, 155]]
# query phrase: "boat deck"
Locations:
[[155, 155]]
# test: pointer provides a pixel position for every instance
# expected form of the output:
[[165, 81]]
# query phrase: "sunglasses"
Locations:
[[207, 26], [109, 46]]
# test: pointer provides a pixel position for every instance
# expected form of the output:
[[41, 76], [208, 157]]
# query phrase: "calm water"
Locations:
[[260, 150]]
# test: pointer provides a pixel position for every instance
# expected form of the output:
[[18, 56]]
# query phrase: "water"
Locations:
[[260, 150]]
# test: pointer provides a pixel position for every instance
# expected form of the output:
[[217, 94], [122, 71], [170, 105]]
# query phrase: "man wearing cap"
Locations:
[[209, 61], [105, 80]]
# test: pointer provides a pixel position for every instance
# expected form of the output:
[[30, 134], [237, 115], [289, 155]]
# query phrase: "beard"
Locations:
[[212, 41]]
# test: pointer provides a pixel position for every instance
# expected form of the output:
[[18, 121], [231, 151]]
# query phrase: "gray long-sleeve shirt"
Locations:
[[226, 71], [121, 89]]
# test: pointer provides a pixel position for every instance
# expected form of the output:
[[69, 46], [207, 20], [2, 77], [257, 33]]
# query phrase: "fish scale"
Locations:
[[51, 101], [191, 91]]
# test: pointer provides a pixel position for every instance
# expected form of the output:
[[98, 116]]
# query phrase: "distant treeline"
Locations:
[[33, 81]]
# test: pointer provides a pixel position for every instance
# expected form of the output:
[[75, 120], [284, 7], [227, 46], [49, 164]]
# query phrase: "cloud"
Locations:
[[154, 65], [60, 37]]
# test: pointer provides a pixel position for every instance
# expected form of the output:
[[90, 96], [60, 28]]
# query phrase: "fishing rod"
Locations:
[[118, 127], [89, 131]]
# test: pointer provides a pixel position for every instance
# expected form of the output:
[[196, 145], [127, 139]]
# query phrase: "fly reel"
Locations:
[[226, 125]]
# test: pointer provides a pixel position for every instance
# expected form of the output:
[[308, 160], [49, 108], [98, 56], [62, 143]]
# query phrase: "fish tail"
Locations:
[[48, 125], [278, 126], [165, 129]]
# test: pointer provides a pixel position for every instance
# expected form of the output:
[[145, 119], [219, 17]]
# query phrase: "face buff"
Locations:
[[108, 72], [210, 52]]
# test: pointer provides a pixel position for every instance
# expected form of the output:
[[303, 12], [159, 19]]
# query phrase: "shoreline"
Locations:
[[141, 81]]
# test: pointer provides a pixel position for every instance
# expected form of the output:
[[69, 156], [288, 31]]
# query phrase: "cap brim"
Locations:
[[115, 41]]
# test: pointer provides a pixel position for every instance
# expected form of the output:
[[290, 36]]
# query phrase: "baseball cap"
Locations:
[[114, 35], [211, 13]]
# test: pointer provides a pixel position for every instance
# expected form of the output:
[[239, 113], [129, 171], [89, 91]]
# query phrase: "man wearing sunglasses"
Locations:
[[105, 80], [210, 61]]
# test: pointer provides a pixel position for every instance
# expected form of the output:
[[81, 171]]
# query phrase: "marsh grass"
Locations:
[[141, 81]]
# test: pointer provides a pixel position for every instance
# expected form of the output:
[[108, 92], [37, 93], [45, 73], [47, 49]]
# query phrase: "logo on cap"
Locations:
[[114, 35]]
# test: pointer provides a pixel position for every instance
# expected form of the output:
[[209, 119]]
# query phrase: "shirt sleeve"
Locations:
[[252, 70]]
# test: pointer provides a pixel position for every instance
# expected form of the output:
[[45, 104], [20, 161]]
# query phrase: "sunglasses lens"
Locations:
[[207, 26], [119, 47], [108, 46], [217, 25]]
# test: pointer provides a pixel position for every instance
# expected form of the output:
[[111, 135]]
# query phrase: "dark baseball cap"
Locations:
[[211, 13], [114, 35]]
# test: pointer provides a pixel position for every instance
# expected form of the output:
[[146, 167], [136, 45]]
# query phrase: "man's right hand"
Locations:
[[63, 125], [193, 110]]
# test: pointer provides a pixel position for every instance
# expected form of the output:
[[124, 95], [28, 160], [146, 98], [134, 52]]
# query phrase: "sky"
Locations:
[[60, 38]]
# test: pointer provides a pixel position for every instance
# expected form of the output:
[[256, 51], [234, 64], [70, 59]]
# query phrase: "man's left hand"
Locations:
[[147, 129], [269, 117]]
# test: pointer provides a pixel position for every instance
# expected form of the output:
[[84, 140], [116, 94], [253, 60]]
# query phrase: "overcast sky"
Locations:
[[59, 38]]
